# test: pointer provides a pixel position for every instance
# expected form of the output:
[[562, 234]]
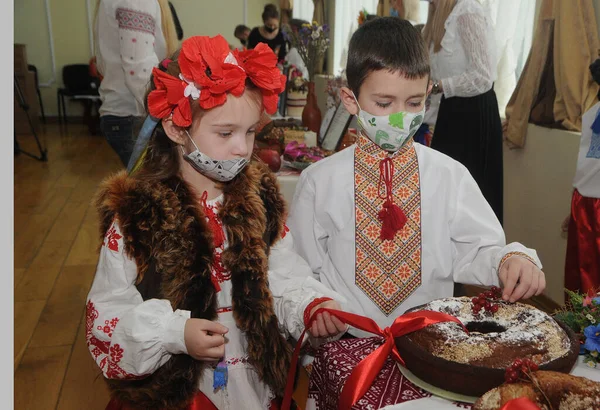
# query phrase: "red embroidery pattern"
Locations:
[[112, 239], [135, 20], [219, 273], [285, 231], [224, 310], [232, 361], [109, 326], [105, 355], [387, 271], [332, 367]]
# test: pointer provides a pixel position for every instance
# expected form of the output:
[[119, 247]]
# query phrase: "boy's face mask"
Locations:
[[219, 170], [391, 131]]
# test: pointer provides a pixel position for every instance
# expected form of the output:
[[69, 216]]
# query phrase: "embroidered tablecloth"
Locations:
[[335, 361]]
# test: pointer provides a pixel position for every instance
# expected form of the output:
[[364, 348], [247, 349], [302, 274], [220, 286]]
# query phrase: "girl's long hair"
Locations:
[[434, 30]]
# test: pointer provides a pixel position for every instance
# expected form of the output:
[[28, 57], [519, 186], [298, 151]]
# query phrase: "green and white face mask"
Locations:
[[391, 131]]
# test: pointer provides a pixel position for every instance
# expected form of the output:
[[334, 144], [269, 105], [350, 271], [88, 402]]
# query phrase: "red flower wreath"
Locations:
[[209, 70]]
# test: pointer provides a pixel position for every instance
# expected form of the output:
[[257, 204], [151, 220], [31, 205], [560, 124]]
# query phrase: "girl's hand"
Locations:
[[205, 339], [327, 325]]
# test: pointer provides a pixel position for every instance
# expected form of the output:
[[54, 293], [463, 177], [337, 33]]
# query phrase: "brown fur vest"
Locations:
[[164, 230]]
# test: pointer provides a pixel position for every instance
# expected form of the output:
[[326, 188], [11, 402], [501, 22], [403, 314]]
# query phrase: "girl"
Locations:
[[196, 267], [460, 38], [269, 33]]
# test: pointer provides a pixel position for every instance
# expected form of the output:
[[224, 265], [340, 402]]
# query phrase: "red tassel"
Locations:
[[392, 220]]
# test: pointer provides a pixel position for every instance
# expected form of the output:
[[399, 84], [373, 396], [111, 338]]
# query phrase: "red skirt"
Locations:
[[200, 402], [582, 265]]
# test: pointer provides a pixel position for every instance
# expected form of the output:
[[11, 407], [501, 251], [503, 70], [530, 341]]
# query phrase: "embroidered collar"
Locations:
[[374, 150]]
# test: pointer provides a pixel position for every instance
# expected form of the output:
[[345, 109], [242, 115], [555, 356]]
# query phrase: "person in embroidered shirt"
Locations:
[[390, 224], [582, 262], [197, 287], [131, 37]]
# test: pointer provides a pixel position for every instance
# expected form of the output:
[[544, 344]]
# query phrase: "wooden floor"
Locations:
[[56, 239], [55, 254]]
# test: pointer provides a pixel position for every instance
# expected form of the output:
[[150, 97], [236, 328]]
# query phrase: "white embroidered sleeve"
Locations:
[[137, 28], [310, 239], [293, 286], [478, 78], [128, 338]]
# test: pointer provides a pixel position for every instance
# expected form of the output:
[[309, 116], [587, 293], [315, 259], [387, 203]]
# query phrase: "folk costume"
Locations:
[[390, 231], [169, 254], [582, 272]]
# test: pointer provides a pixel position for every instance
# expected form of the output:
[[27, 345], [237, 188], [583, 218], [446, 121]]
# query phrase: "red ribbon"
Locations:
[[364, 373], [522, 403]]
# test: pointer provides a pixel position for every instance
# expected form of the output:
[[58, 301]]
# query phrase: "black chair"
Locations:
[[79, 85], [33, 68]]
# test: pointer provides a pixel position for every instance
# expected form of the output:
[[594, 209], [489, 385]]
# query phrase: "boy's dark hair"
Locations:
[[386, 43], [270, 12], [239, 30]]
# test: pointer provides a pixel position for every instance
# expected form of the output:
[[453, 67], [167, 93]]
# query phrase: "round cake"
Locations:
[[447, 357]]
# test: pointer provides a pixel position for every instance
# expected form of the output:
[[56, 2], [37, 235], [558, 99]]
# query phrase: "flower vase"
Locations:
[[311, 115]]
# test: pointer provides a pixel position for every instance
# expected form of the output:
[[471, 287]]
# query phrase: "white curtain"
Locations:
[[513, 23], [346, 22], [303, 9]]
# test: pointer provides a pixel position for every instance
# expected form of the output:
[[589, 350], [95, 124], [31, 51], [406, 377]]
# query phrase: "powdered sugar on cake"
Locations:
[[515, 326]]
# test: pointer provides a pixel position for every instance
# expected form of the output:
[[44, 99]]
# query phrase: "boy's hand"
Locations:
[[521, 278], [205, 339], [326, 325]]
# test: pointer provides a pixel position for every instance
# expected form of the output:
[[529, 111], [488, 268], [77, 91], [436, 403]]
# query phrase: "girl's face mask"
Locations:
[[219, 170]]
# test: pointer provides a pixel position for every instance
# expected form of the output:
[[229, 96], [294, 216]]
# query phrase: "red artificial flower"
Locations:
[[260, 65], [168, 97], [209, 63]]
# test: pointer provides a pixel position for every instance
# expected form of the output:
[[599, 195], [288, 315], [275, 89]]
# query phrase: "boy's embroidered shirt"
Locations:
[[387, 271], [461, 239]]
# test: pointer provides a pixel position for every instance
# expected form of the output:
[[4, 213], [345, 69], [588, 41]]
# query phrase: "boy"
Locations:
[[242, 33], [390, 224]]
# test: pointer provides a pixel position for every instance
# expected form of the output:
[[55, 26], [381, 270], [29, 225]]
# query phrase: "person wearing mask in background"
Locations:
[[269, 33], [131, 37], [460, 38]]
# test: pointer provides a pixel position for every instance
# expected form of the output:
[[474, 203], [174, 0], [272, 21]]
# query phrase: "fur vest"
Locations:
[[165, 232]]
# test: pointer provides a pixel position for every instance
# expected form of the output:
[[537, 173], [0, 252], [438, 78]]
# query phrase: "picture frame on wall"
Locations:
[[336, 129]]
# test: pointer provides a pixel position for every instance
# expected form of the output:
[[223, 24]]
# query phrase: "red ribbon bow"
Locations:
[[364, 373], [209, 64], [522, 403]]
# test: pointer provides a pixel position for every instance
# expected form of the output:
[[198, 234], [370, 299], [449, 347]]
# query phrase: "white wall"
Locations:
[[537, 197]]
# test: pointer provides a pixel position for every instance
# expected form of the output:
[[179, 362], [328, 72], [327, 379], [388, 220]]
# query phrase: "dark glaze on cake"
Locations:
[[471, 364]]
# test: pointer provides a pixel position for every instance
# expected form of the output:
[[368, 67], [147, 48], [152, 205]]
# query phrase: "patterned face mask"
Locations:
[[391, 131], [219, 170]]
